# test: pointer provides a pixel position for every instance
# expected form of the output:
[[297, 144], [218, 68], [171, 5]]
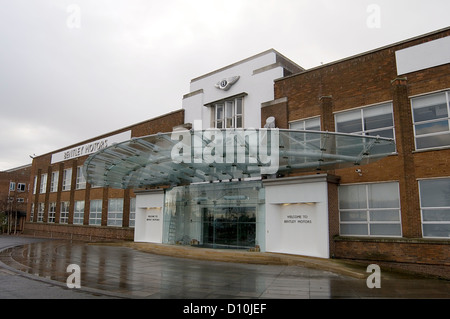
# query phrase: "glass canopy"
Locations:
[[188, 156]]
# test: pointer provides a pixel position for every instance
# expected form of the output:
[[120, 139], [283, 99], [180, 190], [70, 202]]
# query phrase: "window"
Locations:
[[307, 140], [54, 182], [64, 217], [43, 186], [372, 120], [229, 113], [431, 117], [21, 200], [21, 187], [67, 179], [40, 216], [132, 211], [81, 181], [32, 212], [370, 210], [34, 185], [115, 212], [51, 212], [435, 207], [95, 214], [12, 186], [78, 214], [312, 124]]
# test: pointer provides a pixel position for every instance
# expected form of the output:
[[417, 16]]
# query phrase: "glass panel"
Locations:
[[384, 215], [377, 117], [383, 195], [312, 124], [436, 230], [219, 111], [239, 121], [385, 230], [433, 141], [354, 229], [435, 193], [298, 125], [429, 107], [349, 122], [353, 216], [436, 215], [432, 127], [353, 196], [239, 106]]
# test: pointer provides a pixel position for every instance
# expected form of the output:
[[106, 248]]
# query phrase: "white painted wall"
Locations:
[[297, 216], [423, 56], [257, 85], [149, 217]]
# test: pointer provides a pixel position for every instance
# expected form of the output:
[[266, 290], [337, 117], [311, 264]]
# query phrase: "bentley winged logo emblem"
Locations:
[[225, 84]]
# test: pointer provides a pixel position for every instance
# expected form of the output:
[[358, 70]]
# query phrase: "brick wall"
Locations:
[[42, 164], [363, 80]]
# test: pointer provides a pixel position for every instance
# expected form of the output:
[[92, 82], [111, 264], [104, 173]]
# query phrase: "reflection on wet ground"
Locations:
[[139, 274]]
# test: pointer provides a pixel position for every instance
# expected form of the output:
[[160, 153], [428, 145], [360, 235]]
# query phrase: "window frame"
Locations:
[[115, 214], [64, 212], [367, 209], [435, 120], [362, 110], [80, 181], [54, 182], [422, 208], [78, 214], [222, 104], [67, 179], [95, 212]]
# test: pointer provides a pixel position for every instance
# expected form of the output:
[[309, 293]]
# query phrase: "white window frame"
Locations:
[[67, 179], [302, 125], [415, 124], [95, 212], [43, 186], [115, 212], [81, 181], [362, 110], [233, 117], [64, 213], [12, 186], [78, 212], [132, 219], [52, 212], [21, 187], [54, 182], [422, 208], [368, 209], [40, 215]]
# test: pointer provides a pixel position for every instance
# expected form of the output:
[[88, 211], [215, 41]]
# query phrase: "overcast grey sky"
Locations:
[[75, 69]]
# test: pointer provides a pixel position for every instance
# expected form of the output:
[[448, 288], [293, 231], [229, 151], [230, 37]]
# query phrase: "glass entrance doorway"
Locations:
[[218, 215], [229, 227]]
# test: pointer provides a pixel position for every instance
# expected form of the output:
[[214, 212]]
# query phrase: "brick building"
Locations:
[[63, 205], [14, 191], [343, 189], [400, 91]]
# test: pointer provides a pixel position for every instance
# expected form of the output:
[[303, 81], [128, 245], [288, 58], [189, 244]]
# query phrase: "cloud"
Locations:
[[127, 61]]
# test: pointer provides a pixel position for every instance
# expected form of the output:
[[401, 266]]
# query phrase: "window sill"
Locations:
[[443, 241]]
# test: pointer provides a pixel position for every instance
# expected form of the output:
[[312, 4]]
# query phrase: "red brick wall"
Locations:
[[363, 80], [42, 164]]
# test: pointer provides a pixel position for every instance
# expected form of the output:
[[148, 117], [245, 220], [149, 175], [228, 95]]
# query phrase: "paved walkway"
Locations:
[[119, 271]]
